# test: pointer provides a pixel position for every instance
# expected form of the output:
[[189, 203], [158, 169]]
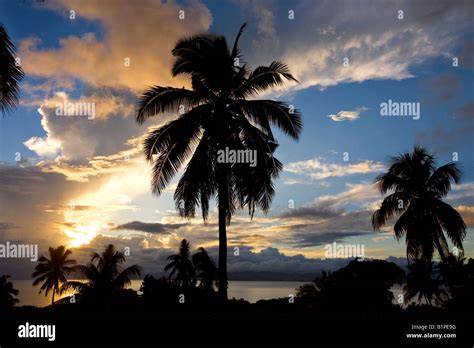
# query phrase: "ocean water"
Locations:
[[251, 291]]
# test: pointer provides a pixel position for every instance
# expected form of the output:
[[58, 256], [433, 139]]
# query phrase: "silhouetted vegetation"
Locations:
[[52, 271], [7, 294], [361, 286], [181, 267], [105, 280], [420, 281], [418, 189], [10, 73], [217, 115]]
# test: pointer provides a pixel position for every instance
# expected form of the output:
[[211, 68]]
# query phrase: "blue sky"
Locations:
[[82, 161]]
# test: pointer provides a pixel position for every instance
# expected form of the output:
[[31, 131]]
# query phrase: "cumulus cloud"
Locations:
[[77, 138], [130, 31], [347, 115]]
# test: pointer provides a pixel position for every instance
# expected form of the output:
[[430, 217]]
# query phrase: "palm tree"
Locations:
[[312, 290], [420, 281], [52, 271], [453, 272], [104, 275], [7, 294], [208, 270], [216, 115], [181, 266], [416, 189], [10, 73]]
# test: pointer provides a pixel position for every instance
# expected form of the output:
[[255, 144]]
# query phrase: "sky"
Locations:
[[83, 182]]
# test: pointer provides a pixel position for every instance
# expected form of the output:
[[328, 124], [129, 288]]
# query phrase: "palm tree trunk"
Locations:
[[52, 299], [223, 203]]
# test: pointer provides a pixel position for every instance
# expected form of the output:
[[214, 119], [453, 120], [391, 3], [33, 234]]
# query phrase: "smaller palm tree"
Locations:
[[52, 271], [420, 281], [208, 272], [181, 266], [416, 188], [104, 275], [10, 73], [453, 272], [7, 294]]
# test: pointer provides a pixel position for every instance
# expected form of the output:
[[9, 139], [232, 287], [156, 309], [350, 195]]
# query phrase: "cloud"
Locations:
[[129, 31], [78, 138], [347, 115], [263, 12], [30, 199], [316, 169], [149, 227], [466, 112], [455, 137], [267, 264], [462, 192], [467, 213], [333, 206], [371, 39], [443, 88], [327, 218], [465, 57], [312, 237]]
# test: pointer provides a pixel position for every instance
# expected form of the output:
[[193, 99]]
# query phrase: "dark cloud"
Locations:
[[316, 238], [466, 57], [318, 211], [150, 227], [442, 88], [447, 140], [466, 112], [26, 193]]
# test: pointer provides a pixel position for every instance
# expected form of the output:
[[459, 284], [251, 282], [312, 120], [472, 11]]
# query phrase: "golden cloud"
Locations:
[[143, 32]]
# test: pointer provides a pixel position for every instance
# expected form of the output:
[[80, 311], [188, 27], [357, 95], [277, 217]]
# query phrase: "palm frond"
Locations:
[[279, 113], [263, 78], [10, 73], [158, 100]]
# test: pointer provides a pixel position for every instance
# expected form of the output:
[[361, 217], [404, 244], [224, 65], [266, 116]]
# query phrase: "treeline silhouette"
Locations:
[[362, 286]]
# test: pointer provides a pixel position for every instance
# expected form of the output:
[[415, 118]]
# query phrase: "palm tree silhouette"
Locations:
[[420, 281], [7, 294], [104, 275], [418, 188], [453, 272], [10, 73], [215, 115], [207, 269], [181, 266], [52, 271]]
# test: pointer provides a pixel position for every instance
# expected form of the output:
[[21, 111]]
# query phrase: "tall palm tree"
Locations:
[[181, 266], [52, 271], [104, 275], [216, 114], [7, 294], [10, 73], [420, 281], [207, 269], [417, 188]]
